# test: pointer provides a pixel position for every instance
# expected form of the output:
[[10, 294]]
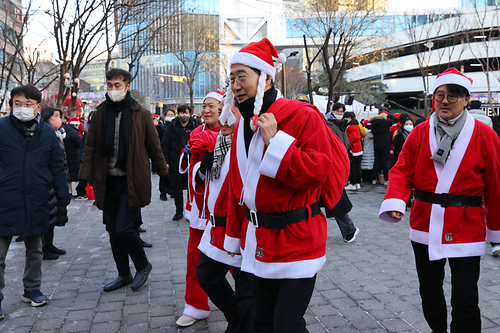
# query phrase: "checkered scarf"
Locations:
[[222, 146]]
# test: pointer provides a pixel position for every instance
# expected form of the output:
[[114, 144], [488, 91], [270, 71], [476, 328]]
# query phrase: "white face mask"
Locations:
[[24, 114], [169, 118], [408, 128], [117, 95]]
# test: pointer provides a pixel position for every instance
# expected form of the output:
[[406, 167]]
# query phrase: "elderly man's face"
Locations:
[[449, 106], [244, 82], [210, 112]]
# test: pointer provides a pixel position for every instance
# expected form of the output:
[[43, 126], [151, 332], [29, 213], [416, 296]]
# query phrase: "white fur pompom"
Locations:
[[281, 58]]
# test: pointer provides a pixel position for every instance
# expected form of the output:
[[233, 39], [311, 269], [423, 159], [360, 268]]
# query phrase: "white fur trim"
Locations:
[[181, 170], [275, 152], [389, 205], [193, 216], [214, 253], [227, 114], [281, 58], [418, 236], [453, 79], [194, 312], [493, 235], [232, 244], [253, 61], [213, 95], [359, 153], [463, 250]]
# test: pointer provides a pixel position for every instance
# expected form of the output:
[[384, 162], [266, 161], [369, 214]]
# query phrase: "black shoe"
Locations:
[[177, 216], [118, 283], [47, 255], [163, 197], [20, 239], [55, 250], [141, 277], [146, 244], [141, 229]]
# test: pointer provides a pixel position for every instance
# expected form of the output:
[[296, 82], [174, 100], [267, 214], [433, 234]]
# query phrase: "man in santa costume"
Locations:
[[201, 141], [215, 262], [284, 160], [452, 161]]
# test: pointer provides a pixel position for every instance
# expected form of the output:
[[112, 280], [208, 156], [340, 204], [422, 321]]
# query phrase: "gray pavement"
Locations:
[[366, 286]]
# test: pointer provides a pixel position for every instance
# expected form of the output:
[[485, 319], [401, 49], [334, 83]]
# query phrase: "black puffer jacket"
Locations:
[[381, 130], [72, 147]]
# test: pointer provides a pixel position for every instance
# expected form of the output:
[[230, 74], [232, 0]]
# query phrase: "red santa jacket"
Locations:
[[291, 173], [354, 135], [472, 169], [195, 200], [212, 242]]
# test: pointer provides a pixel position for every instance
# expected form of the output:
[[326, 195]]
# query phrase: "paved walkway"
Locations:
[[366, 286]]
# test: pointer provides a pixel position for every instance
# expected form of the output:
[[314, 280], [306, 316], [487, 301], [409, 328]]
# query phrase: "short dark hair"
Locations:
[[29, 91], [183, 108], [456, 89], [168, 109], [48, 111], [349, 115], [119, 73], [337, 106], [475, 104]]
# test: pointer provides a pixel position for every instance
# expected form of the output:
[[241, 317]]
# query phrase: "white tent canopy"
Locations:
[[359, 109]]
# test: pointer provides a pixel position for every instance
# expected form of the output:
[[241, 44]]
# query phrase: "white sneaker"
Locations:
[[185, 321], [353, 238], [495, 250], [358, 186], [80, 198], [350, 187], [374, 182]]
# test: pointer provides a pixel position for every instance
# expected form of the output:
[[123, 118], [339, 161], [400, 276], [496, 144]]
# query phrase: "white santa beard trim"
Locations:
[[253, 61], [493, 235], [389, 205], [259, 97], [214, 253], [275, 153], [232, 245], [446, 175], [227, 114], [194, 312], [453, 79]]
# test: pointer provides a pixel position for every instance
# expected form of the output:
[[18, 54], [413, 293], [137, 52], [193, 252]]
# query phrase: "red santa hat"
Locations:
[[74, 121], [258, 55], [215, 94], [385, 112], [156, 116], [453, 76]]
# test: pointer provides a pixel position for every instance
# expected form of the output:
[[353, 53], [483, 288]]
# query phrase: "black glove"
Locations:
[[165, 181], [206, 162], [62, 211], [81, 188]]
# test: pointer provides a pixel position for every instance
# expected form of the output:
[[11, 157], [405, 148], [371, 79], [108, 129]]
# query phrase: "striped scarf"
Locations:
[[222, 146]]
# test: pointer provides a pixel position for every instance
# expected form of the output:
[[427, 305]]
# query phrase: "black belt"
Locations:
[[445, 199], [281, 219], [217, 221]]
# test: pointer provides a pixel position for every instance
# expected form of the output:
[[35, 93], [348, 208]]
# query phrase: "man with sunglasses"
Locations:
[[452, 161]]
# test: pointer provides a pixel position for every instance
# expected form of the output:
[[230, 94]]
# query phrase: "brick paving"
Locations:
[[366, 286]]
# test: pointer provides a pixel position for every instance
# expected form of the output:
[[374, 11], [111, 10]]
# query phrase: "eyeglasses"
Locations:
[[452, 98], [27, 105], [240, 78]]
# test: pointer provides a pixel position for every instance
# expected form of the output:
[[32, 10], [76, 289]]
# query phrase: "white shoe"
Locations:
[[350, 187], [185, 321], [353, 238], [374, 182], [495, 250], [81, 198], [358, 186]]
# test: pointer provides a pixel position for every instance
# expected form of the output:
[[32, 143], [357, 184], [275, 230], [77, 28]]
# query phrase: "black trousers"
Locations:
[[465, 314], [382, 162], [355, 169], [48, 238], [120, 220], [236, 306], [178, 182], [280, 304]]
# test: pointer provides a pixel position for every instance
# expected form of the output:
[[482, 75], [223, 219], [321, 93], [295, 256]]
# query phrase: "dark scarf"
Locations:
[[449, 133], [107, 141], [246, 110]]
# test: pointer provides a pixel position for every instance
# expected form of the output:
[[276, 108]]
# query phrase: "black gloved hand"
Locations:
[[81, 188], [187, 152], [206, 162], [62, 211], [165, 181]]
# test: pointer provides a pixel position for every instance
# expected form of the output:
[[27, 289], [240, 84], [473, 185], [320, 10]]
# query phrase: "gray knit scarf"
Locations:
[[449, 133], [222, 146]]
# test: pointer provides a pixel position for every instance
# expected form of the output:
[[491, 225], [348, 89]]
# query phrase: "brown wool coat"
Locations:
[[144, 145]]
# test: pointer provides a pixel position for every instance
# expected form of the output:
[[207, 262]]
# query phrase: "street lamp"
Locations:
[[283, 83]]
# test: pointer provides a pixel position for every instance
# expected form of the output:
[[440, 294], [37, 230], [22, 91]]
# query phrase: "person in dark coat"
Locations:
[[404, 130], [31, 161], [58, 216], [72, 147], [341, 210], [174, 139], [496, 124], [381, 130]]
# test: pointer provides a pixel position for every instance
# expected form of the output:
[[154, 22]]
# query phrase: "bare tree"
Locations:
[[295, 80]]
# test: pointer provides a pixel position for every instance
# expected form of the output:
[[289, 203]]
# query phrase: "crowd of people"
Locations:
[[262, 174]]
